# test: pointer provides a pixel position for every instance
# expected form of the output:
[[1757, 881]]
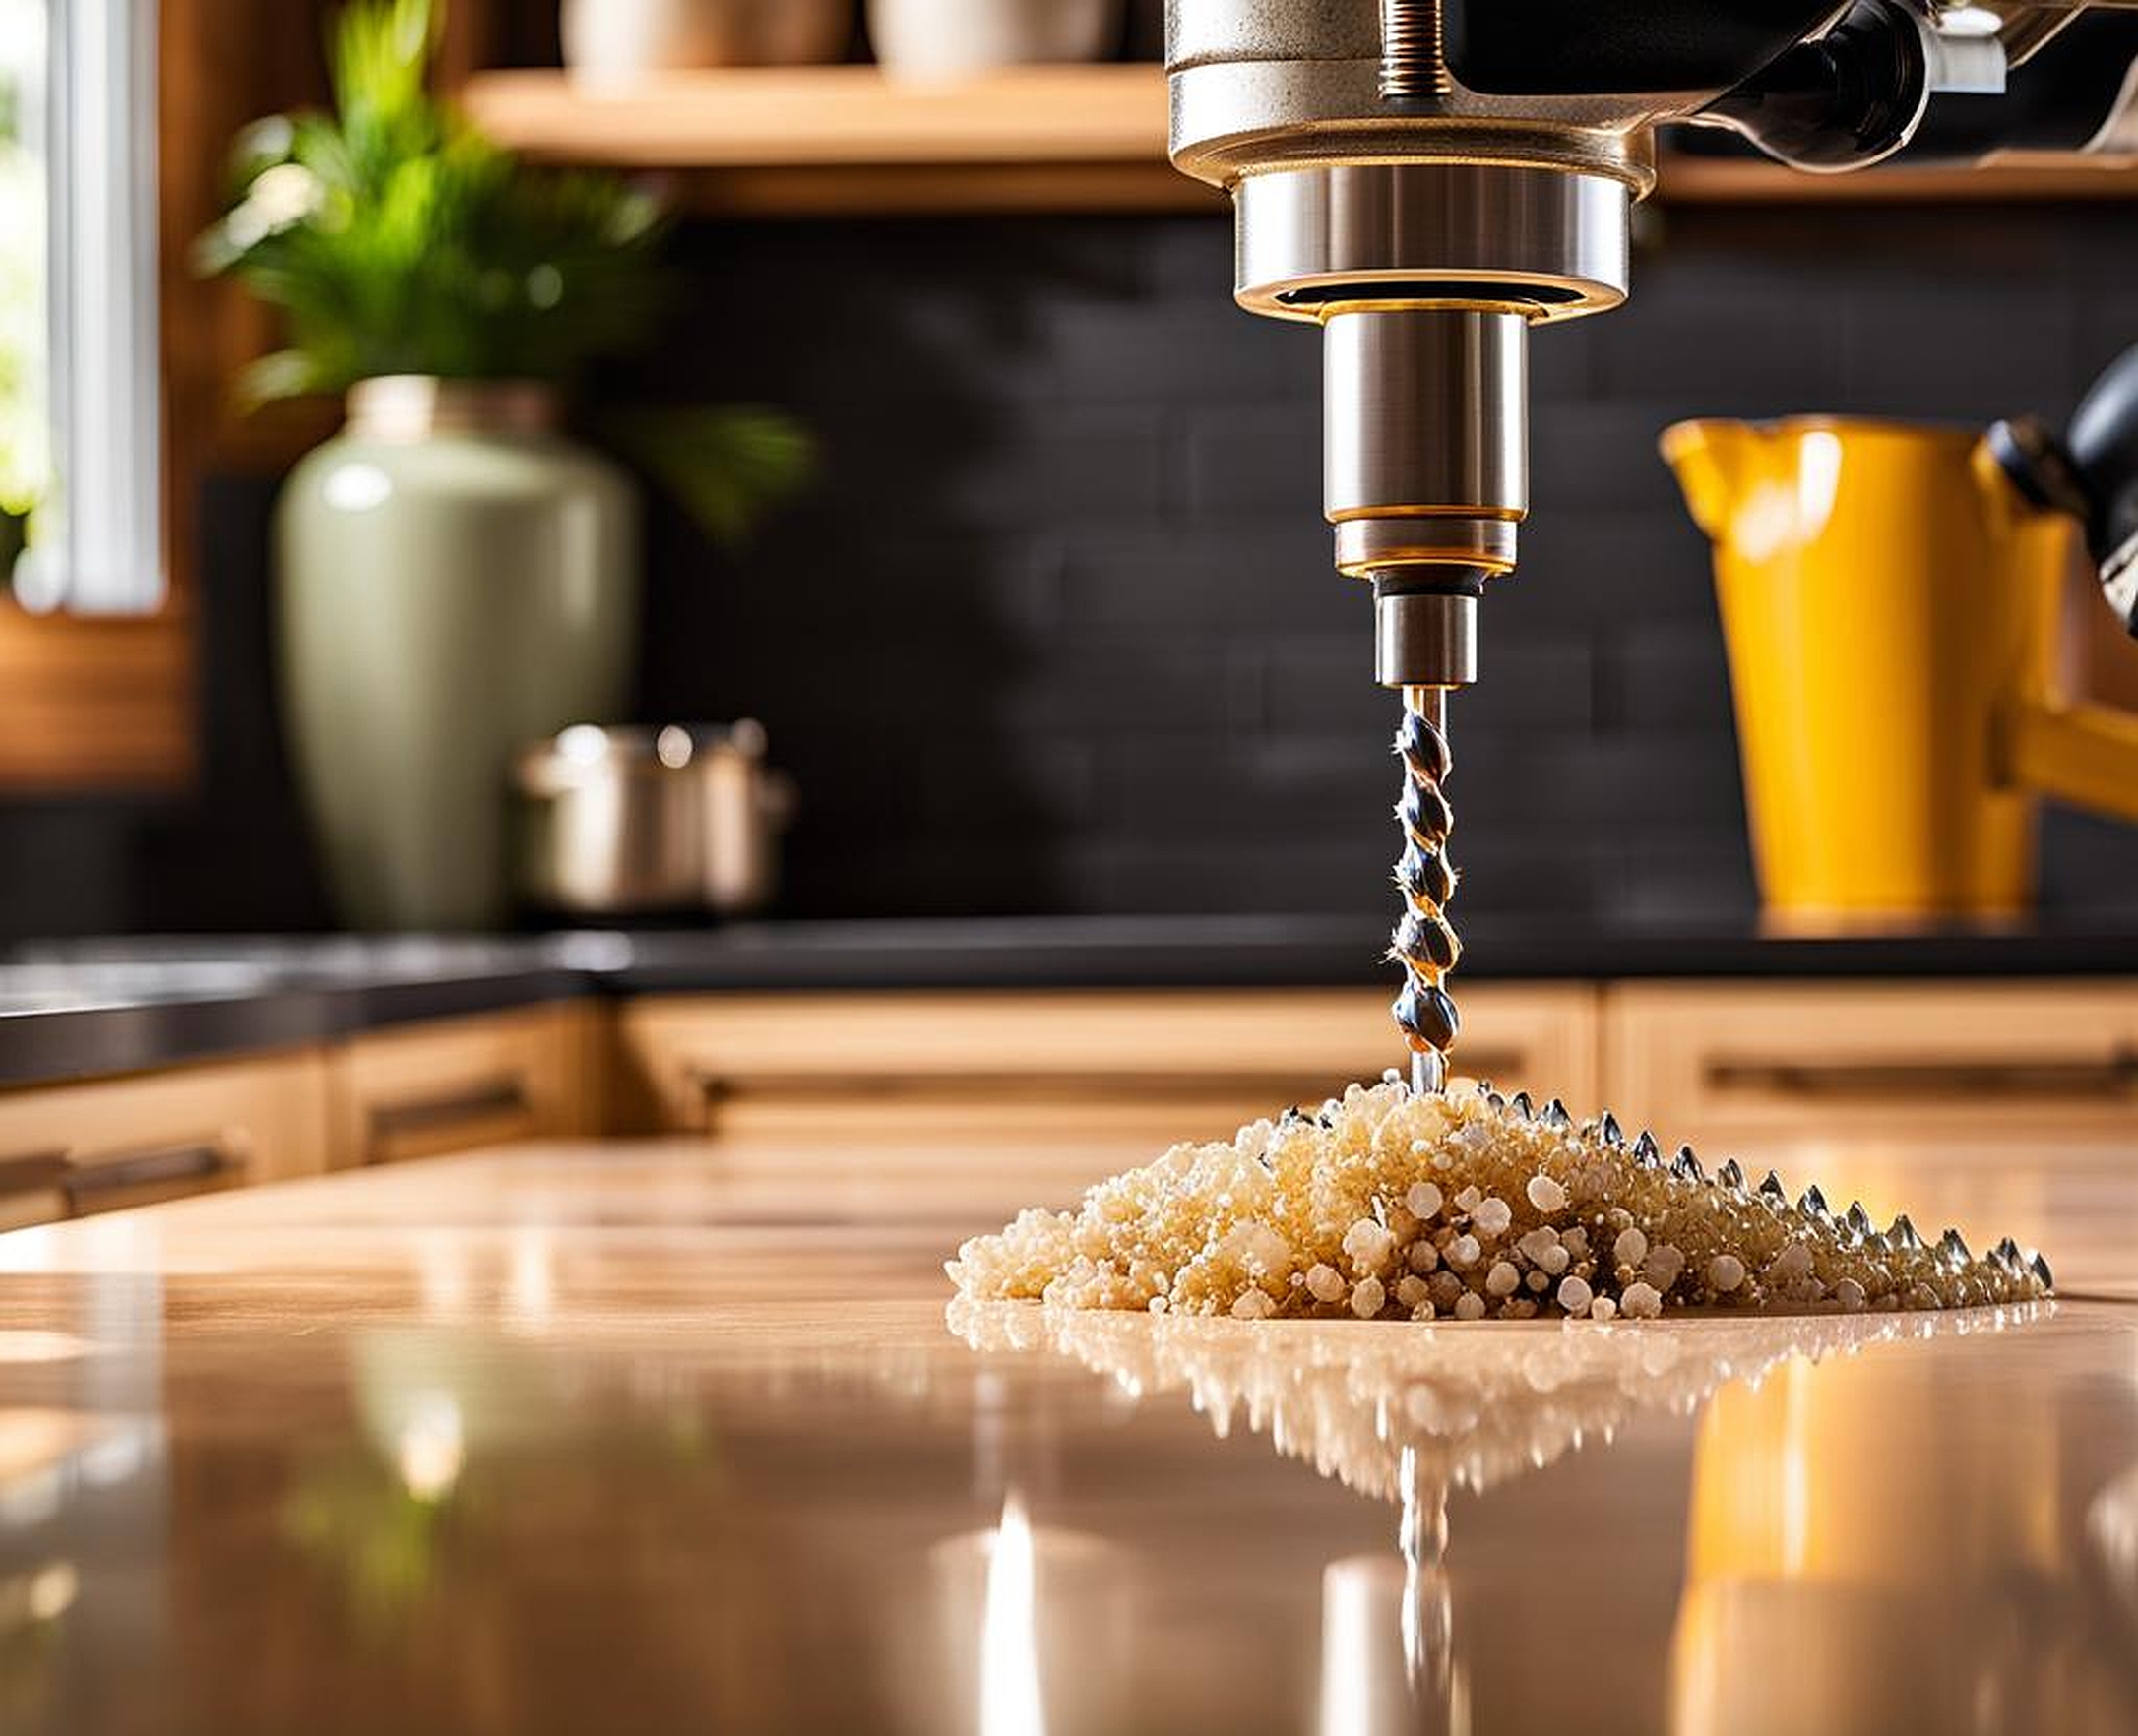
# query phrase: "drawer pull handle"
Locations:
[[2116, 1077], [143, 1170], [28, 1171], [1041, 1085], [482, 1100]]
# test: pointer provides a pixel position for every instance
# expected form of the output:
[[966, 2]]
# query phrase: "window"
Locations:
[[25, 456], [81, 513]]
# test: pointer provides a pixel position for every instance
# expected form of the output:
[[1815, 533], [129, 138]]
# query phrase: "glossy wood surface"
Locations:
[[821, 140], [677, 1437]]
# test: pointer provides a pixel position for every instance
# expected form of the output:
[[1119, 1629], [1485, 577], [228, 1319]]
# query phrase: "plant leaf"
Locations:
[[281, 373], [420, 246], [727, 464]]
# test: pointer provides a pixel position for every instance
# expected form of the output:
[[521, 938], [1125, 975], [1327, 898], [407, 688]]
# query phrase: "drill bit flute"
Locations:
[[1425, 944]]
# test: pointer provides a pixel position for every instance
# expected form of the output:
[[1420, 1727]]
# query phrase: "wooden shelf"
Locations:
[[105, 704], [791, 117], [828, 139], [1729, 180], [845, 139]]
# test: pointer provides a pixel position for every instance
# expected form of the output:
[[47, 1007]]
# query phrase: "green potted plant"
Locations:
[[453, 575]]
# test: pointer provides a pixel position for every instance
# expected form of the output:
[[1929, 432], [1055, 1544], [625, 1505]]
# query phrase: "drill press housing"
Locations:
[[1427, 179]]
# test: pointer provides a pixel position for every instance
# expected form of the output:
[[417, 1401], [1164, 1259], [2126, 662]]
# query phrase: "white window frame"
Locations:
[[100, 543]]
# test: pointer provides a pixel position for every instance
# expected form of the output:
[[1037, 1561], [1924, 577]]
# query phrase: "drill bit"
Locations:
[[1424, 943]]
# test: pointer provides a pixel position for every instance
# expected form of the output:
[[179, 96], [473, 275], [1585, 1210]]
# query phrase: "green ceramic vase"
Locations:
[[454, 579]]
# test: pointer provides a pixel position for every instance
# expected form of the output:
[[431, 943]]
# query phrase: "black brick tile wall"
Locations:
[[1057, 629]]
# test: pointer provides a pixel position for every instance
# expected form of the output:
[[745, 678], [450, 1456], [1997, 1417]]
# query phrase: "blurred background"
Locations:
[[1049, 625]]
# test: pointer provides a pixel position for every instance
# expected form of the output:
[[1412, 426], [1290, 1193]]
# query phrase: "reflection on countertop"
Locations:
[[1413, 1414], [670, 1435], [1455, 1405]]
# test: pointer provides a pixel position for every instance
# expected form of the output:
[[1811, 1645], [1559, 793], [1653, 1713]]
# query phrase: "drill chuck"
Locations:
[[1426, 627]]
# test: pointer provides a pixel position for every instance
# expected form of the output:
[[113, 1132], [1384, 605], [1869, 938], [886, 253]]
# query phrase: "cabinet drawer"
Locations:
[[452, 1085], [67, 1150], [1157, 1064], [1706, 1062]]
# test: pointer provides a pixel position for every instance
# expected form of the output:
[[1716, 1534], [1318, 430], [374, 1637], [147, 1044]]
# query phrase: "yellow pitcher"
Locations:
[[1891, 604]]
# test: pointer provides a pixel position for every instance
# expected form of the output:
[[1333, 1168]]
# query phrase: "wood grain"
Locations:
[[1715, 1063], [825, 140], [828, 116], [1157, 1066], [261, 1117], [447, 1084], [662, 1437], [96, 704], [2016, 178]]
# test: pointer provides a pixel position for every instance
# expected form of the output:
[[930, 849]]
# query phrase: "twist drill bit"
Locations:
[[1424, 943]]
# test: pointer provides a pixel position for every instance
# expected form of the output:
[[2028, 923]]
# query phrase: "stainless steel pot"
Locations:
[[637, 822]]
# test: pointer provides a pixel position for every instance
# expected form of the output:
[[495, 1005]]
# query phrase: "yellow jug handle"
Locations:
[[1709, 458], [2083, 753]]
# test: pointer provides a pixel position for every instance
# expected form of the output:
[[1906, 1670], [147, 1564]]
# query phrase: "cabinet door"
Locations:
[[66, 1150], [1156, 1065], [1711, 1062], [450, 1084]]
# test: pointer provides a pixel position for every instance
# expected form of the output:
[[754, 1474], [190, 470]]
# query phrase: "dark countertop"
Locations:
[[93, 1007]]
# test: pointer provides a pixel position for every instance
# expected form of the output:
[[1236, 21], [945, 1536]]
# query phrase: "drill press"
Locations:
[[1429, 179]]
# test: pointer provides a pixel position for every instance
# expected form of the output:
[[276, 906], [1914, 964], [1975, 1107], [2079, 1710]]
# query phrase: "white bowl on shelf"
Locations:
[[941, 41], [615, 42]]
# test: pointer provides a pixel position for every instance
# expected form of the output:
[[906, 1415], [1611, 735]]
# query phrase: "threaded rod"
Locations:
[[1414, 51]]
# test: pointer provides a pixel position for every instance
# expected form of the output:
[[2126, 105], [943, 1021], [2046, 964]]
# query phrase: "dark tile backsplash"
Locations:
[[1056, 630]]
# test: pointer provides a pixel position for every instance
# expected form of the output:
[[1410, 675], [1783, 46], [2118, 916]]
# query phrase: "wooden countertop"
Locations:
[[672, 1437]]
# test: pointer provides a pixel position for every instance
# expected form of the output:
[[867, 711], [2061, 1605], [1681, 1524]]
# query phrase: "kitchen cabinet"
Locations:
[[446, 1085], [1729, 1065], [1999, 1060], [410, 1091], [71, 1149], [1150, 1065]]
